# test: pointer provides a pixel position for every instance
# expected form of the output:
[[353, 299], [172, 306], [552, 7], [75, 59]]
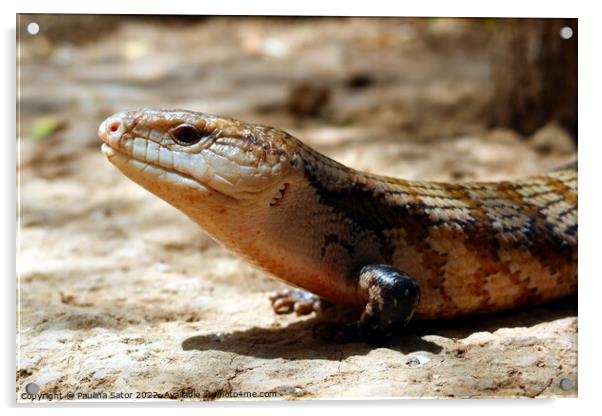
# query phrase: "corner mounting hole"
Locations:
[[566, 32], [566, 384], [33, 28]]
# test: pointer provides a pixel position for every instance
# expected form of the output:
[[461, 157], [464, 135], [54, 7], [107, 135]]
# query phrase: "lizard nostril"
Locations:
[[114, 126]]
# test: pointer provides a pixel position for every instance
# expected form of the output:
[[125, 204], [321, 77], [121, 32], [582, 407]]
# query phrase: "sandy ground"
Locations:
[[119, 293]]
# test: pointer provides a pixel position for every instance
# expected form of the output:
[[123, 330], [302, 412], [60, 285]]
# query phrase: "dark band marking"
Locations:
[[335, 239], [565, 212], [571, 230]]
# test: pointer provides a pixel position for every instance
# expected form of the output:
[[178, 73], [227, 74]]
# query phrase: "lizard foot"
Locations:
[[298, 301]]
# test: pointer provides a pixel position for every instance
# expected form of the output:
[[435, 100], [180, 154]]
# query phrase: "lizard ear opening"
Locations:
[[277, 199]]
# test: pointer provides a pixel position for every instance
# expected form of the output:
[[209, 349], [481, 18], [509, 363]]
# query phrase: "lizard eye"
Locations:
[[186, 134]]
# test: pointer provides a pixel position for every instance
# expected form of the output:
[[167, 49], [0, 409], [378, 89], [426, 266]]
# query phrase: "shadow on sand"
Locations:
[[296, 340]]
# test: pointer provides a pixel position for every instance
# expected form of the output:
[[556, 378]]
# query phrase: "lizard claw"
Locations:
[[298, 301]]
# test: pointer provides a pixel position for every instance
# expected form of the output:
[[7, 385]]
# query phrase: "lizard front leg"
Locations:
[[391, 299]]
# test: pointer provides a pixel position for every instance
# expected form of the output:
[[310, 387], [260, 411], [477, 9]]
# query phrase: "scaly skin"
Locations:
[[314, 223]]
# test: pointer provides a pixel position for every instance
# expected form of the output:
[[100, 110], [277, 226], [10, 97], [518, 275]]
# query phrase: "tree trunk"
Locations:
[[535, 74]]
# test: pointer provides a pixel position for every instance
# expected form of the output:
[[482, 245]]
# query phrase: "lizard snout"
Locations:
[[111, 130]]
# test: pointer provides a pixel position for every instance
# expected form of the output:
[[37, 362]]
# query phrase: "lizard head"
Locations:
[[194, 160]]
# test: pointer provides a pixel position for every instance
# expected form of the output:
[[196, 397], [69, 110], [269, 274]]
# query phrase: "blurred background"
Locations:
[[357, 83], [119, 291]]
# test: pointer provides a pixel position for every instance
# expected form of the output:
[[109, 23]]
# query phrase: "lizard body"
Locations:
[[395, 248]]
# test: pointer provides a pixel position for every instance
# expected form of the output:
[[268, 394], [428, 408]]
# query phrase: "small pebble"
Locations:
[[417, 360], [553, 138]]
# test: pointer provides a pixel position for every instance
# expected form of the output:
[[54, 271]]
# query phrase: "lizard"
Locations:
[[391, 248]]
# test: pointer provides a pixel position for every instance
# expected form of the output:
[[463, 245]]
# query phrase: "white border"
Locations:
[[590, 70]]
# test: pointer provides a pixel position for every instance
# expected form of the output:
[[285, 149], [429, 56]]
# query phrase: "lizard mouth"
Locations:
[[136, 168]]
